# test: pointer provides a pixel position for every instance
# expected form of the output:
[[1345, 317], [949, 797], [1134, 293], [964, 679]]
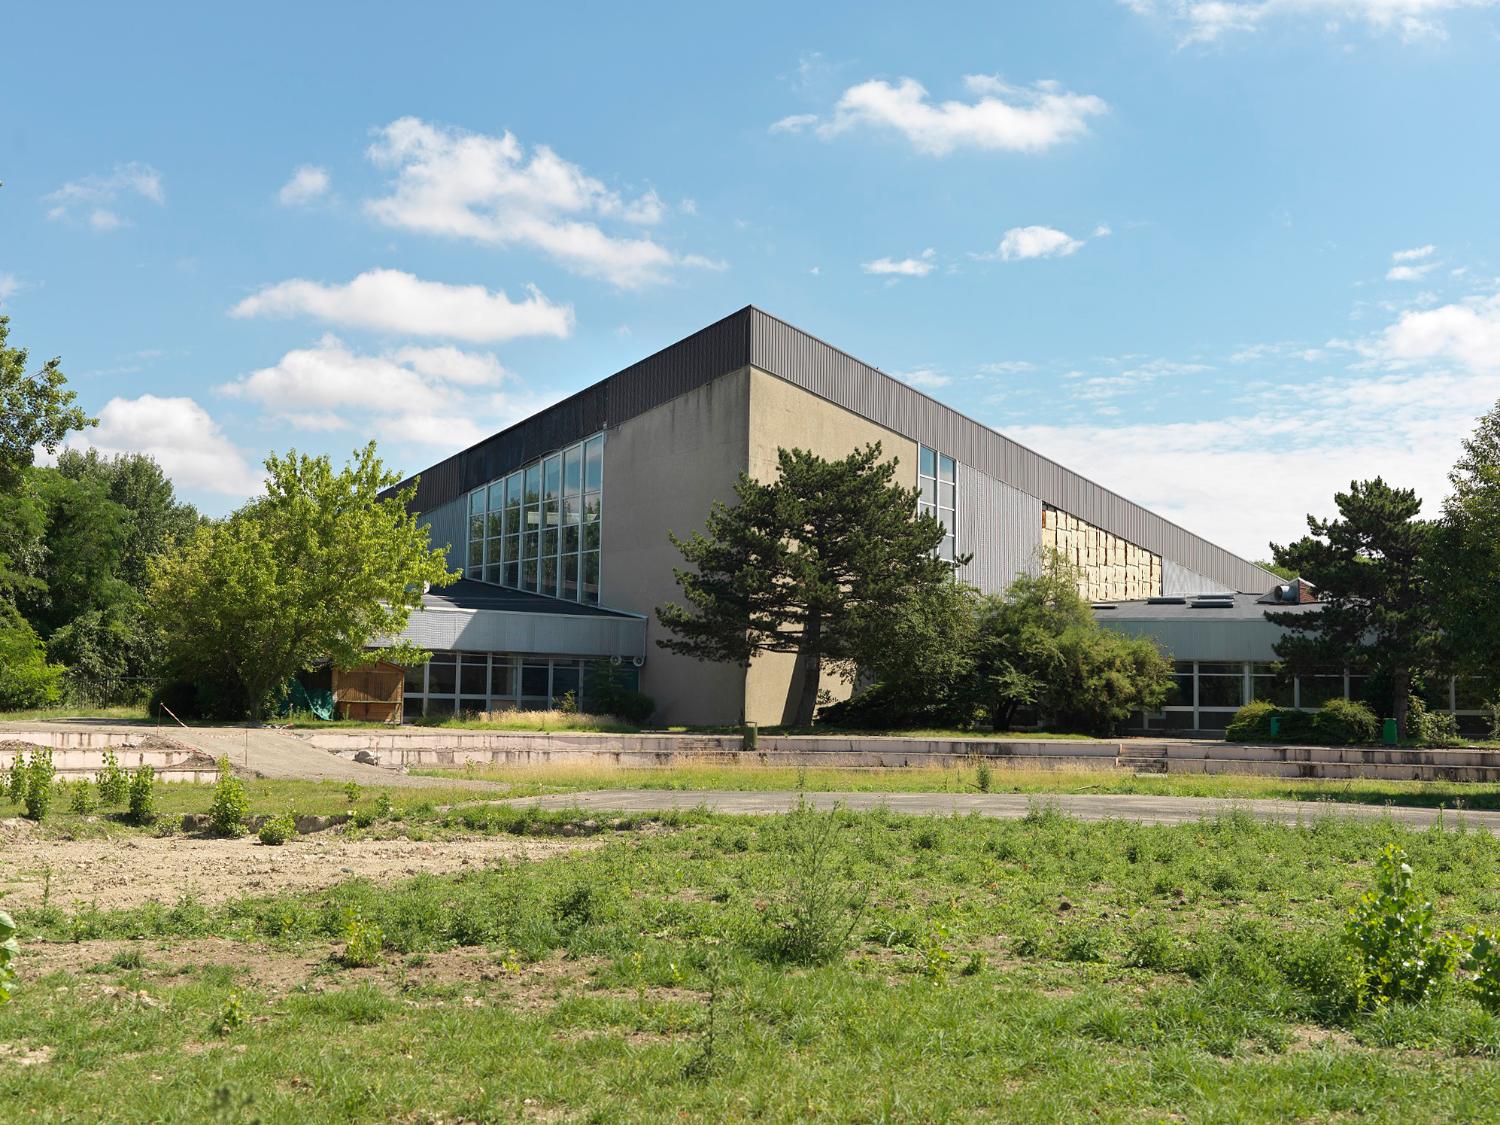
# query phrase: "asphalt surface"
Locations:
[[1006, 806]]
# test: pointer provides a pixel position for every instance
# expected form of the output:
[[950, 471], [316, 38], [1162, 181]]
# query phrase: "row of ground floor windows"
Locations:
[[1206, 694], [454, 683]]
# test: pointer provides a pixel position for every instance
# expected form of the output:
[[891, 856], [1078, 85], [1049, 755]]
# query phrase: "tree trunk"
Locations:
[[1401, 685], [810, 657]]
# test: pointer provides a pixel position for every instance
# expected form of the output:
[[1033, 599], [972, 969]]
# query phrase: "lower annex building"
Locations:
[[560, 523]]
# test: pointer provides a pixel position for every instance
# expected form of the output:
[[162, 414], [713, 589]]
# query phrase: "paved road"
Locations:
[[1006, 806]]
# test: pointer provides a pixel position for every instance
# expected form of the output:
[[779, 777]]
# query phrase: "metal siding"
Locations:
[[482, 630], [1000, 526], [791, 354], [448, 523]]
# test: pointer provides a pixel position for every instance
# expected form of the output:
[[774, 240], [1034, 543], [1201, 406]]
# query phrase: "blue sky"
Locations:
[[1222, 257]]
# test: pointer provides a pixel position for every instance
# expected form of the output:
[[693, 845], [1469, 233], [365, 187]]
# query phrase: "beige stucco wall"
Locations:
[[785, 416], [662, 472]]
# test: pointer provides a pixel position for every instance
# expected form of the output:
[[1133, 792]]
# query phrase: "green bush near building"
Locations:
[[1339, 722]]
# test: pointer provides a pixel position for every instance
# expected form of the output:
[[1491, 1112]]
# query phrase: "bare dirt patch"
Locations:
[[470, 977], [124, 872]]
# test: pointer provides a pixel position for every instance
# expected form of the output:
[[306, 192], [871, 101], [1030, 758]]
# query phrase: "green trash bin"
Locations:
[[1275, 726], [1388, 732]]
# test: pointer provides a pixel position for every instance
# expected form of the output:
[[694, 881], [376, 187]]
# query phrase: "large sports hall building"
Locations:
[[560, 523]]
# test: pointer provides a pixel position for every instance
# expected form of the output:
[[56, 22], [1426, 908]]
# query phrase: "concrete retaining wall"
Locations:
[[439, 749]]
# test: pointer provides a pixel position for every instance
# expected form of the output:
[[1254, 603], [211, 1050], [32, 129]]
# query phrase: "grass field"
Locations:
[[527, 781], [693, 967]]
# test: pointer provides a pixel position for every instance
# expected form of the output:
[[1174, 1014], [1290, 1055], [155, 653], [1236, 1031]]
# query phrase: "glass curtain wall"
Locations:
[[537, 529], [458, 682]]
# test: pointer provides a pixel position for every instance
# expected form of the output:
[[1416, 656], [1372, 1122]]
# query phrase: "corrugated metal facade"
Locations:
[[751, 337], [447, 523], [1000, 526]]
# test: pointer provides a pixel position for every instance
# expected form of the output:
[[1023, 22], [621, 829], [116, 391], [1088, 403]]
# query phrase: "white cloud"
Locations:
[[1206, 21], [1020, 243], [1251, 478], [92, 199], [1409, 273], [1102, 231], [926, 379], [1001, 117], [393, 301], [443, 397], [1100, 389], [1466, 333], [10, 285], [794, 123], [920, 266], [308, 183], [182, 437], [1409, 264], [1007, 367], [490, 190]]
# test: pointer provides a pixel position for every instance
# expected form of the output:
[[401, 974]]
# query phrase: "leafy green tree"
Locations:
[[813, 563], [36, 409], [1040, 647], [136, 483], [27, 679], [1377, 615], [1465, 559], [1020, 639], [319, 568]]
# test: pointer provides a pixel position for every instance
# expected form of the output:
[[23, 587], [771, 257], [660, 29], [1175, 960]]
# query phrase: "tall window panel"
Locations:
[[538, 528], [937, 485]]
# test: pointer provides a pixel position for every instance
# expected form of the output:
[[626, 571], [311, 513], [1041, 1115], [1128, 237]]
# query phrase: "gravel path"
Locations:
[[1008, 806]]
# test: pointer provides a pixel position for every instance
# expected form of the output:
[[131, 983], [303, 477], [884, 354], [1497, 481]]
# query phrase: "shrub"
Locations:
[[363, 943], [142, 796], [1483, 960], [1402, 954], [226, 816], [351, 791], [817, 909], [231, 1015], [1343, 722], [84, 800], [8, 953], [1252, 722], [15, 781], [114, 783], [26, 679], [277, 830], [1431, 728], [607, 691], [39, 775]]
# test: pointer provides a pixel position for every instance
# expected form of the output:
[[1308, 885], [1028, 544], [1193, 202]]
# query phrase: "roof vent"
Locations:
[[1103, 605], [1213, 603], [1166, 601]]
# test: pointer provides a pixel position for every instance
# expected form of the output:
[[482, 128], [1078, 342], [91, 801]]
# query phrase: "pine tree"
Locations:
[[1368, 569], [808, 564]]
